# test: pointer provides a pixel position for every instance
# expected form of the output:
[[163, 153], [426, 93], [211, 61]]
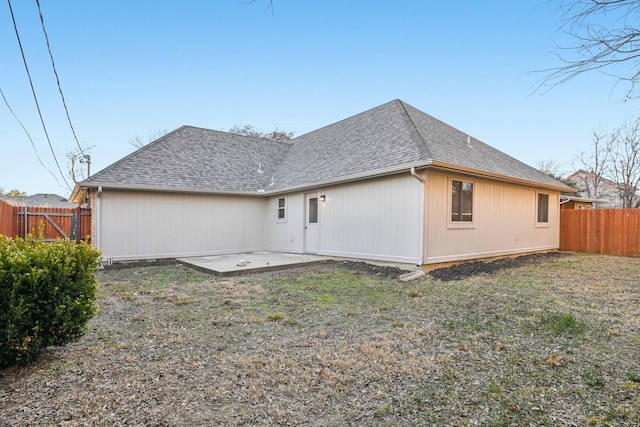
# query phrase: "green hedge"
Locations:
[[47, 295]]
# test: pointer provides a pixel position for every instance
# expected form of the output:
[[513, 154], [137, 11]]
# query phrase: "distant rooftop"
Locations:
[[40, 200]]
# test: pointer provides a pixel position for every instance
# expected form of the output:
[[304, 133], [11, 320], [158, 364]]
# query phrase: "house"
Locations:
[[574, 202], [591, 186], [391, 183]]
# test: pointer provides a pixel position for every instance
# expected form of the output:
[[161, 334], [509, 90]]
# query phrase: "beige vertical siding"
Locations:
[[505, 221], [143, 225], [376, 219], [286, 235]]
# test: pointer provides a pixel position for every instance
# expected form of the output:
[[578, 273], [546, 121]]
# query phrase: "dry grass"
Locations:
[[551, 343]]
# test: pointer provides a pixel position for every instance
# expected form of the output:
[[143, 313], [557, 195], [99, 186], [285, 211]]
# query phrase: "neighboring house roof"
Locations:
[[385, 139], [39, 200], [565, 199]]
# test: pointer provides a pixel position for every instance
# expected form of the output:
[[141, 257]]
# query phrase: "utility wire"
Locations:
[[29, 136], [33, 91], [53, 65]]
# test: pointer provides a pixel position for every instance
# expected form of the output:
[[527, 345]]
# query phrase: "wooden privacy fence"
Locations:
[[603, 231], [63, 223]]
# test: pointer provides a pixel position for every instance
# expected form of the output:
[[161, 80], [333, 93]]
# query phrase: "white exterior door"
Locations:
[[311, 224]]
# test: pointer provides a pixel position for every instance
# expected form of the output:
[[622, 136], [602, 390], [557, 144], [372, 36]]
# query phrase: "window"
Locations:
[[313, 210], [543, 207], [461, 201], [282, 209]]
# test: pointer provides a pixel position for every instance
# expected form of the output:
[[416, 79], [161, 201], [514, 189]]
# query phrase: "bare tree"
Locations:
[[275, 135], [607, 38], [78, 160], [625, 163], [611, 171], [550, 167], [269, 5], [595, 164], [138, 142]]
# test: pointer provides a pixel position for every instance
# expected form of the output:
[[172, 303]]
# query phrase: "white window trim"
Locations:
[[460, 224], [285, 208]]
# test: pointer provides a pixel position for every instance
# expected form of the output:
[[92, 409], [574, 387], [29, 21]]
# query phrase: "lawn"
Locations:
[[554, 341]]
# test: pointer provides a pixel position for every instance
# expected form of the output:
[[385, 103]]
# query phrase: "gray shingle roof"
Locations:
[[447, 144], [197, 159], [389, 136], [373, 140]]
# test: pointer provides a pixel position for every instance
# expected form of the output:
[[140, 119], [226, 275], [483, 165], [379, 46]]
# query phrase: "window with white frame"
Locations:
[[282, 209]]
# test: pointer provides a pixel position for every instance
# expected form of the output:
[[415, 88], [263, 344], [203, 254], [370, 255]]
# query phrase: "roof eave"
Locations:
[[405, 167], [82, 188], [78, 194], [437, 164], [583, 199]]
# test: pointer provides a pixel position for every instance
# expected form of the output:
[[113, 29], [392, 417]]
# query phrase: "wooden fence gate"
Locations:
[[57, 223], [603, 231]]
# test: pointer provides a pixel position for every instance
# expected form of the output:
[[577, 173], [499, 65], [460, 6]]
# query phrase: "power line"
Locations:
[[28, 136], [35, 98], [53, 65]]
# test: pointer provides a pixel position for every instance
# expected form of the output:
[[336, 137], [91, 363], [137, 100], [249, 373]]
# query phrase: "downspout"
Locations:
[[98, 242], [415, 175], [422, 218]]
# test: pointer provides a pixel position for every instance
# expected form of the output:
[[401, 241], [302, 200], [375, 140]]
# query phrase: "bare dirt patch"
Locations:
[[547, 342]]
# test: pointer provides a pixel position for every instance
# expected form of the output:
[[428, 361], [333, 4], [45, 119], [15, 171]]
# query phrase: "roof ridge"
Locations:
[[345, 119], [420, 143]]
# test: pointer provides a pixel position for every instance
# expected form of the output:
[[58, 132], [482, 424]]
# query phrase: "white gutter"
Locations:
[[349, 178], [415, 175], [496, 176], [332, 181], [98, 214]]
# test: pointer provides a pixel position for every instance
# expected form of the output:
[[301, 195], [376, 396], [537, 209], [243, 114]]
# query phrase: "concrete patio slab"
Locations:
[[227, 265], [257, 262]]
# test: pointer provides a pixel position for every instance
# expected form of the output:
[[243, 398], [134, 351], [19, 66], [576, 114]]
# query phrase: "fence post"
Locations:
[[74, 226], [26, 220]]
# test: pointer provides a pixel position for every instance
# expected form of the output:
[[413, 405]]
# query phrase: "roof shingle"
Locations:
[[392, 135]]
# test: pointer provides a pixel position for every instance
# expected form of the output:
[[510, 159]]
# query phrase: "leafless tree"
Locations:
[[550, 167], [625, 163], [607, 38], [275, 135], [269, 4], [612, 166], [595, 164], [138, 142], [79, 160]]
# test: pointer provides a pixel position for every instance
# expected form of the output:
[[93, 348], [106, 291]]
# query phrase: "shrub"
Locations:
[[47, 295]]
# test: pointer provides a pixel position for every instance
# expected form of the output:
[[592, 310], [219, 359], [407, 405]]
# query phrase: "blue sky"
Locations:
[[132, 68]]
